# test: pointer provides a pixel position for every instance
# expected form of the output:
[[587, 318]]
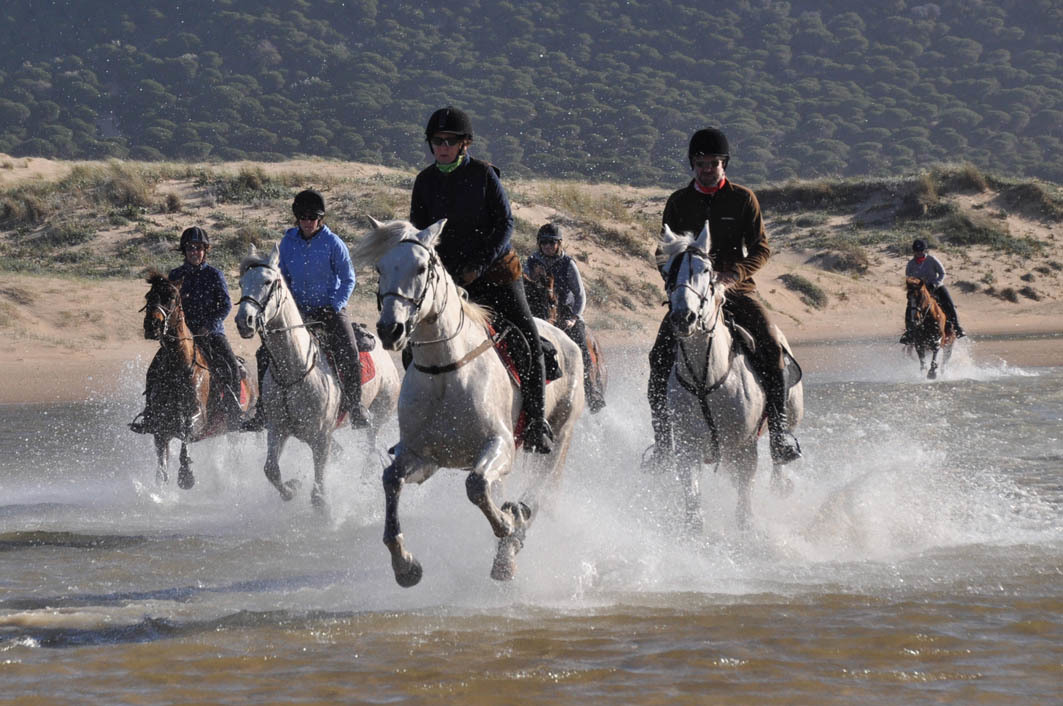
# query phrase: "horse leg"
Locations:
[[495, 460], [185, 479], [933, 373], [162, 453], [505, 563], [320, 452], [274, 445], [744, 466], [407, 569], [688, 471]]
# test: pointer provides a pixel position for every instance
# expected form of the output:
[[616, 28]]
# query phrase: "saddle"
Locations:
[[507, 335], [792, 372]]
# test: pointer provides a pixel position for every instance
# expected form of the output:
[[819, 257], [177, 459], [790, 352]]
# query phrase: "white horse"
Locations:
[[301, 393], [716, 403], [459, 407]]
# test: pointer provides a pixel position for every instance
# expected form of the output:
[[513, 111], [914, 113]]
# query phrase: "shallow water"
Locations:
[[918, 560]]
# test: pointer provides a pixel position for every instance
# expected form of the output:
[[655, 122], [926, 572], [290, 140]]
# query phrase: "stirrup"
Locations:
[[782, 451], [140, 426], [359, 416], [538, 436]]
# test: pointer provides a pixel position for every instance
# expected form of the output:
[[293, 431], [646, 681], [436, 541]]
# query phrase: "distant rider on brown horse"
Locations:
[[929, 269], [205, 302], [739, 249], [552, 259]]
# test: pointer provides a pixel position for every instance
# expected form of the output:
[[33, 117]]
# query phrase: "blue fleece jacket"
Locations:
[[318, 270]]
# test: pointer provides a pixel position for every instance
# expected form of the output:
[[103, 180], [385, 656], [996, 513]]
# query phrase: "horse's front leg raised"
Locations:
[[407, 569], [510, 522], [274, 445], [933, 373]]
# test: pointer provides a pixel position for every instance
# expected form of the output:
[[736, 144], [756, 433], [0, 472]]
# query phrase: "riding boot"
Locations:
[[784, 446], [357, 411], [538, 436], [230, 407], [144, 423]]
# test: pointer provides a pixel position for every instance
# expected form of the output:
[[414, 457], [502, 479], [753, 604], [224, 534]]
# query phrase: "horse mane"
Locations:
[[679, 242], [383, 237], [152, 275], [379, 240]]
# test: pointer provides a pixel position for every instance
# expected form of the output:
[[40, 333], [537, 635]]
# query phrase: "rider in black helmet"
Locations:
[[205, 302], [739, 249], [475, 246], [929, 269], [552, 259], [316, 265]]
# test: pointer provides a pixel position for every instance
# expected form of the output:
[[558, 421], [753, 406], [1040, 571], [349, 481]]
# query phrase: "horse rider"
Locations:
[[316, 265], [929, 269], [552, 259], [475, 247], [739, 248], [205, 302]]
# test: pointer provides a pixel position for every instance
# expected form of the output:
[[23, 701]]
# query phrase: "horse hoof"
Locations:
[[932, 375], [185, 479], [288, 489], [782, 485], [409, 575], [317, 498], [161, 478]]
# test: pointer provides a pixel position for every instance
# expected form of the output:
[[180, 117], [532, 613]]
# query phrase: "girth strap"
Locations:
[[464, 360]]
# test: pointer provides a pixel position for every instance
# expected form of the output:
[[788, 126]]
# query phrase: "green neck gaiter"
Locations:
[[448, 168]]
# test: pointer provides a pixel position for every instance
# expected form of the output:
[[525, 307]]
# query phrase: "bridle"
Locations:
[[694, 383], [432, 281], [263, 332]]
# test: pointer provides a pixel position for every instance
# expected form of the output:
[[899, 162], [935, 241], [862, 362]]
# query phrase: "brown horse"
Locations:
[[926, 326], [542, 300], [181, 403]]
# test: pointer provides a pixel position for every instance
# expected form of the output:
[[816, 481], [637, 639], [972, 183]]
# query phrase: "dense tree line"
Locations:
[[603, 90]]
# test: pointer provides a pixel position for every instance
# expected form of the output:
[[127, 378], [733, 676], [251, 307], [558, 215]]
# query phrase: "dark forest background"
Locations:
[[596, 90]]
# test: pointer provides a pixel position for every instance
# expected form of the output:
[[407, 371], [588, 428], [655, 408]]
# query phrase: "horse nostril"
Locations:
[[389, 332]]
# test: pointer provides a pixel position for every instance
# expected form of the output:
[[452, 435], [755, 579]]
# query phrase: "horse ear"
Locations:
[[275, 256], [377, 225], [704, 240], [667, 234], [430, 235], [252, 251]]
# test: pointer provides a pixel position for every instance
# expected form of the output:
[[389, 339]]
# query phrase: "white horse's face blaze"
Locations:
[[403, 281], [692, 298]]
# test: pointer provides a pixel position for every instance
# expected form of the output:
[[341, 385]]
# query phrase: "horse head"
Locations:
[[539, 288], [260, 278], [693, 292], [410, 275], [163, 300]]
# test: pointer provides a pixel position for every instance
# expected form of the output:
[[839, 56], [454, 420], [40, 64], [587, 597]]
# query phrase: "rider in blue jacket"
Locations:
[[316, 265]]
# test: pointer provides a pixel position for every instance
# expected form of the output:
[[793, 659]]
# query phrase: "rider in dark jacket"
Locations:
[[205, 302], [475, 247], [739, 248], [552, 259]]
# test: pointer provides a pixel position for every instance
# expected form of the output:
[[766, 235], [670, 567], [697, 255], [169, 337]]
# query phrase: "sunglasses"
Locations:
[[448, 141], [308, 217], [195, 246]]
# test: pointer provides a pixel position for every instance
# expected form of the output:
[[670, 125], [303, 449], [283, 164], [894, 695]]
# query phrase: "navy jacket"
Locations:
[[479, 226], [204, 297]]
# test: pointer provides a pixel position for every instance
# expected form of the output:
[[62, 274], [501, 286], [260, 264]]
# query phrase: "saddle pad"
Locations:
[[368, 367]]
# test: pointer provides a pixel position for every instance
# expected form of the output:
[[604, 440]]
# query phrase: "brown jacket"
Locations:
[[736, 228]]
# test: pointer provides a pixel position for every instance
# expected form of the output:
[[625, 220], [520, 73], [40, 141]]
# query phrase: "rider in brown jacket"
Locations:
[[739, 248]]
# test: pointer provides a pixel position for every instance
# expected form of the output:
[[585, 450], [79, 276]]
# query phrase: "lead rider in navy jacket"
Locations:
[[475, 246]]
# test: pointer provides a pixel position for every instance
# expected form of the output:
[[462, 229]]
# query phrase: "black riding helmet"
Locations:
[[709, 141], [550, 232], [919, 245], [308, 201], [195, 234], [449, 119]]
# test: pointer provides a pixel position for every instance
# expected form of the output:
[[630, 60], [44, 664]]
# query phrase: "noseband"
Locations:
[[417, 303], [703, 300]]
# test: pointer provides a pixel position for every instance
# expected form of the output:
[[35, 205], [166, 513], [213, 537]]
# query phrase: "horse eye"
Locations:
[[421, 270]]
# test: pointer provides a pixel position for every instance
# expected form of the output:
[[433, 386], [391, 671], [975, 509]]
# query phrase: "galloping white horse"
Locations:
[[301, 393], [459, 407], [716, 402]]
